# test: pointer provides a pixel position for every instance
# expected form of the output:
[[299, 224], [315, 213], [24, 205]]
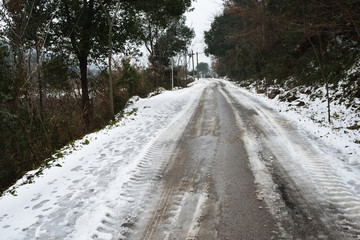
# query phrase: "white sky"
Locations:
[[200, 19]]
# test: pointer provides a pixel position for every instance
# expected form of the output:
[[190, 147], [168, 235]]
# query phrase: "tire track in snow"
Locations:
[[139, 189], [180, 200], [338, 202], [171, 194], [332, 188], [145, 180]]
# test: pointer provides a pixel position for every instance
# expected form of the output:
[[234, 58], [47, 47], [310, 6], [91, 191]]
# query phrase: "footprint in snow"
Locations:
[[39, 205], [47, 209], [76, 181], [76, 169], [37, 197], [127, 151]]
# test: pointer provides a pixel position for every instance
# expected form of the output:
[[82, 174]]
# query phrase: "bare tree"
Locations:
[[111, 20]]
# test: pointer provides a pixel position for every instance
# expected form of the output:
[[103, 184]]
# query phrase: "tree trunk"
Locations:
[[111, 24], [152, 57], [38, 61], [19, 79], [111, 91], [83, 59], [325, 76]]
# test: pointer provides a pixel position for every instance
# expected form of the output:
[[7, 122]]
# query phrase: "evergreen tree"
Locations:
[[156, 18], [203, 69], [174, 41]]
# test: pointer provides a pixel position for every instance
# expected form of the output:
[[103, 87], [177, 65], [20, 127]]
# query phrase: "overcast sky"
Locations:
[[200, 19]]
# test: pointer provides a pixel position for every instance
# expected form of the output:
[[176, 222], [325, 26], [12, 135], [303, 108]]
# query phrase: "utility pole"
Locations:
[[185, 70], [192, 55], [197, 65], [172, 74]]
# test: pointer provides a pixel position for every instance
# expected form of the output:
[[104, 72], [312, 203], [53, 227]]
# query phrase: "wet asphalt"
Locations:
[[207, 191]]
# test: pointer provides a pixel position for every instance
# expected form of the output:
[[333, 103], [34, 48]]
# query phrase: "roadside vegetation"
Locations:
[[282, 45], [67, 67]]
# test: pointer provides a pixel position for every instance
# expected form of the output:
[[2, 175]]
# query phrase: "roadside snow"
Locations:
[[313, 118], [86, 194], [82, 196], [322, 163]]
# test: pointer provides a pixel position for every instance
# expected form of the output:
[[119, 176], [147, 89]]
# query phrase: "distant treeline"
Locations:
[[311, 41]]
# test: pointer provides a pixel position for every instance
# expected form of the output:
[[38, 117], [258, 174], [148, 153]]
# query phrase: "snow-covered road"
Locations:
[[157, 174], [312, 178]]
